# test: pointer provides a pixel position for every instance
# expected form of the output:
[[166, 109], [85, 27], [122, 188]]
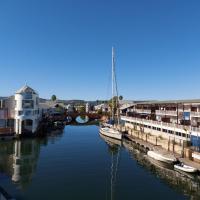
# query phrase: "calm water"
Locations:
[[79, 164]]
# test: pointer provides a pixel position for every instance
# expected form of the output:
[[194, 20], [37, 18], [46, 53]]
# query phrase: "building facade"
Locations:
[[179, 120], [20, 113]]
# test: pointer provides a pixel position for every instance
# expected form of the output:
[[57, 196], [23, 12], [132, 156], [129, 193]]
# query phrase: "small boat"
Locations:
[[161, 156], [110, 132], [185, 168]]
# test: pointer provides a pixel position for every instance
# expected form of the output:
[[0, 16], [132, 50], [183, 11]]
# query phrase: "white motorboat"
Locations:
[[110, 132], [185, 168], [161, 156]]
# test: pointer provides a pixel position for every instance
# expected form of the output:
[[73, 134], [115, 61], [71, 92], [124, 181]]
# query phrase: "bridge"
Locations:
[[72, 116]]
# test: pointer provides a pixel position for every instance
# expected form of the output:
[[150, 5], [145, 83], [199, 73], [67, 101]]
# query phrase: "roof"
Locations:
[[184, 101], [26, 89]]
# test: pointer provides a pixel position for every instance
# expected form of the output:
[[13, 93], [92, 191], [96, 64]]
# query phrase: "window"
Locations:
[[170, 132], [27, 104], [37, 101], [158, 129], [20, 112], [28, 112], [28, 96], [183, 134]]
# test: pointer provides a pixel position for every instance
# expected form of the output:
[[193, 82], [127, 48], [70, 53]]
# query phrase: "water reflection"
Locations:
[[186, 183], [18, 158], [114, 148], [82, 119]]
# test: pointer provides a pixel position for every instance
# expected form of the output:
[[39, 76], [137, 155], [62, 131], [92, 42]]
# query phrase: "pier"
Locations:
[[156, 144]]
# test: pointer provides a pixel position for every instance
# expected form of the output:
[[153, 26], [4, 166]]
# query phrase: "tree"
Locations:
[[113, 103], [53, 97], [120, 97]]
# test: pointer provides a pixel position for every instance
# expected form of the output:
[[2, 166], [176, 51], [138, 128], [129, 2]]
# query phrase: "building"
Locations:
[[87, 107], [20, 113], [170, 119], [27, 112], [103, 107]]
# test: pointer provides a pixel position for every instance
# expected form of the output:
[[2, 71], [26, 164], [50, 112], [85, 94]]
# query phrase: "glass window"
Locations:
[[28, 96], [27, 103], [37, 101], [20, 112], [28, 112]]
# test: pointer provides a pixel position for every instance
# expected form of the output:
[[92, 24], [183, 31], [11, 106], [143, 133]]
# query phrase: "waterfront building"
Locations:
[[179, 120], [27, 112], [103, 107], [20, 113], [87, 107]]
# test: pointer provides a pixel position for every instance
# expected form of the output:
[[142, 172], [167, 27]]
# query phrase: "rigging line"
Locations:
[[108, 86]]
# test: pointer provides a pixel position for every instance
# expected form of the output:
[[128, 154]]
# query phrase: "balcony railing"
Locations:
[[145, 111], [166, 112], [195, 114], [186, 128]]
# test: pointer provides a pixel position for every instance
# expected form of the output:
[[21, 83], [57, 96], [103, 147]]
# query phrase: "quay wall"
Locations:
[[156, 138]]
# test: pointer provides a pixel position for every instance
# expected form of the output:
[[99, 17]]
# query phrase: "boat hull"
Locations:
[[185, 168], [160, 157], [109, 132]]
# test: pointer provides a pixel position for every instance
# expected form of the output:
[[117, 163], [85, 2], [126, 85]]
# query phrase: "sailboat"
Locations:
[[108, 129]]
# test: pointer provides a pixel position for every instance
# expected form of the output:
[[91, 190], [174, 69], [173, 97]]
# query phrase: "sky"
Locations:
[[63, 47]]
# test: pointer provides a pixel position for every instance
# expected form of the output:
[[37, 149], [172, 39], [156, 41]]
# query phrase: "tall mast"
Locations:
[[113, 77]]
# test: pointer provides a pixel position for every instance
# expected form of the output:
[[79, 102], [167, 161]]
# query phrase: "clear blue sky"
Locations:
[[64, 47]]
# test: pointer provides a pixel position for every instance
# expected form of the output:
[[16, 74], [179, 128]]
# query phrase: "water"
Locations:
[[79, 164]]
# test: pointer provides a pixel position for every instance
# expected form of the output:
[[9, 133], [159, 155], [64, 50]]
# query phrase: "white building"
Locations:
[[27, 112], [104, 107], [87, 107]]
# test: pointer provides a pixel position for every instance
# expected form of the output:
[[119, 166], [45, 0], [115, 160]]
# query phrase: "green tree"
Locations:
[[113, 103], [53, 97], [120, 97]]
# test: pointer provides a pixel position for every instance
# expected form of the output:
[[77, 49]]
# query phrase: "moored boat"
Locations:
[[161, 156], [107, 129], [185, 168], [110, 132]]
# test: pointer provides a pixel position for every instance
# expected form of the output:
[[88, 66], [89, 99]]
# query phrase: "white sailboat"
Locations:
[[109, 130]]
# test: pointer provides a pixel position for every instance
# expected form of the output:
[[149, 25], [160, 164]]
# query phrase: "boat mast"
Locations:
[[113, 63], [114, 88]]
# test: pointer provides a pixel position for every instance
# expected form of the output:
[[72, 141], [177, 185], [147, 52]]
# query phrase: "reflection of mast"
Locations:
[[114, 168]]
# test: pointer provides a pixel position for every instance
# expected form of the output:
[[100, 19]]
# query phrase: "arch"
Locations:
[[82, 119]]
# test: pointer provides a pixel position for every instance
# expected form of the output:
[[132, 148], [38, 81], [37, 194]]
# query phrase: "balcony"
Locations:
[[157, 123], [166, 112], [143, 111], [195, 114]]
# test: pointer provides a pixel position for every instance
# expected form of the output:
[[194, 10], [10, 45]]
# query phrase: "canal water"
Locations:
[[79, 164]]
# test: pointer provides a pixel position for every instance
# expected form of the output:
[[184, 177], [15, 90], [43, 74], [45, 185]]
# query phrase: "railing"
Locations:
[[186, 128], [195, 129], [166, 112], [195, 114], [143, 111]]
